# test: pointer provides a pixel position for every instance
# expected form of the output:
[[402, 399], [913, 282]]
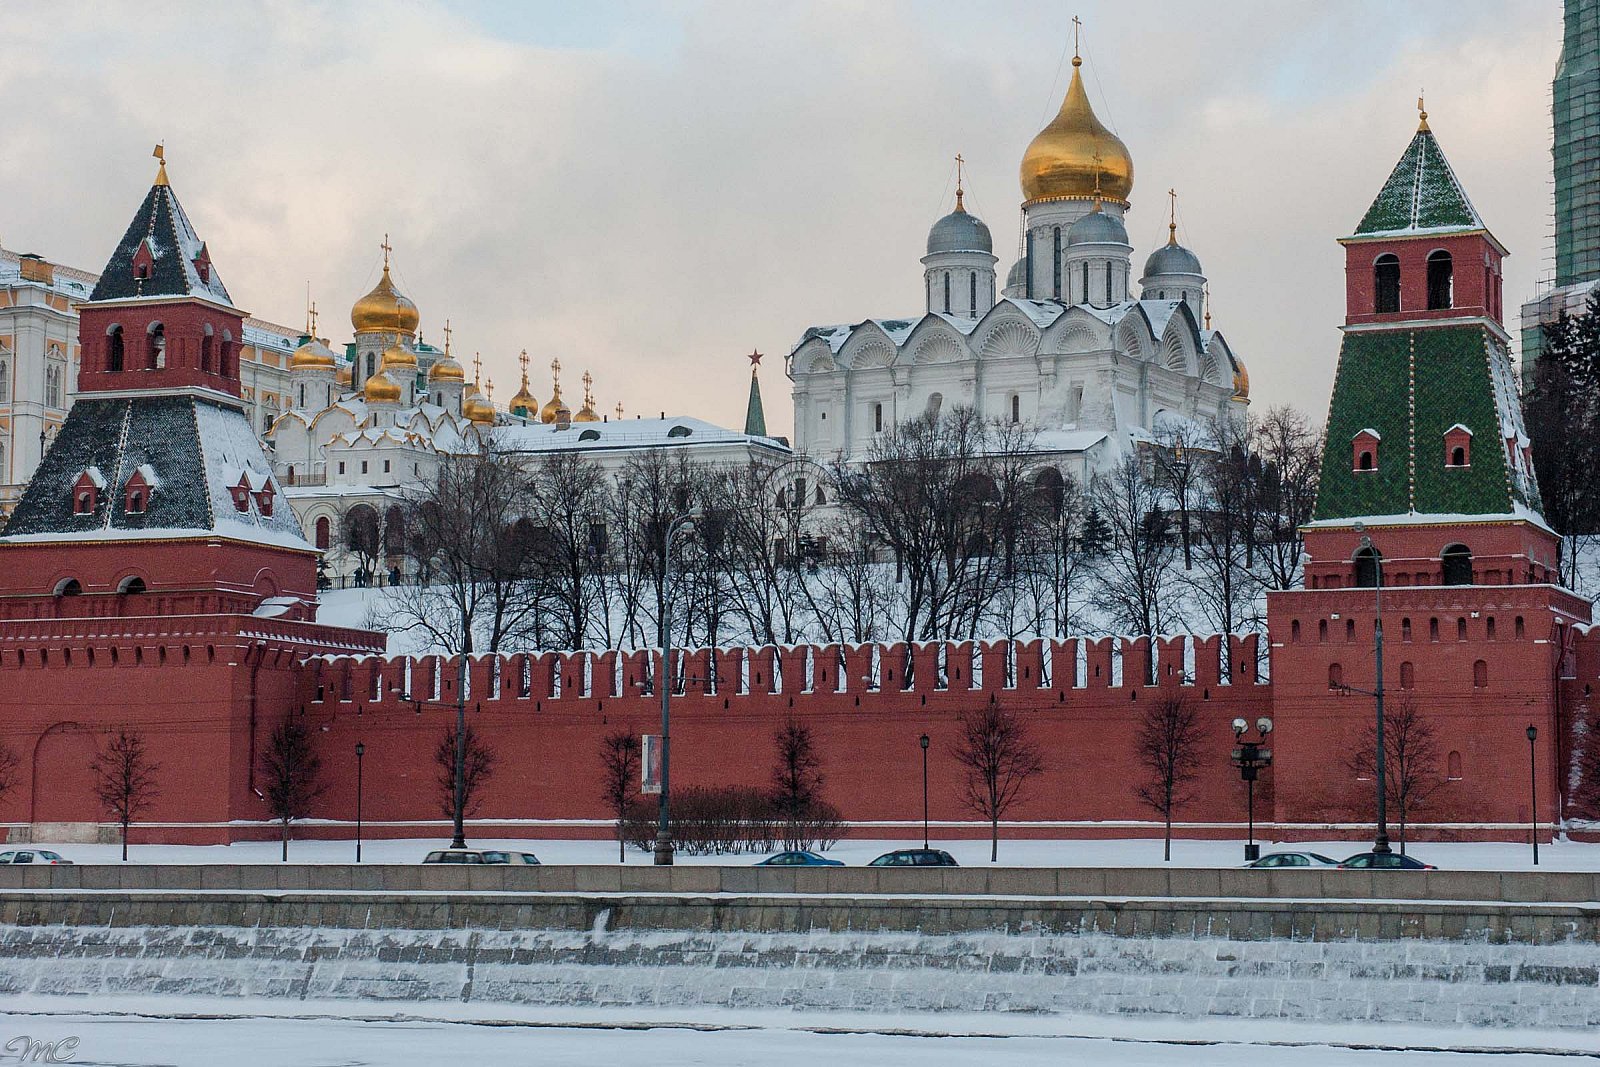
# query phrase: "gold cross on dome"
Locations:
[[447, 337], [477, 368], [523, 361], [313, 318], [489, 387], [588, 380], [960, 164], [555, 371], [1077, 26], [387, 248], [619, 409]]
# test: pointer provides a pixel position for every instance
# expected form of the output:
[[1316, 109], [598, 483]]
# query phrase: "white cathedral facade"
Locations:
[[1066, 347]]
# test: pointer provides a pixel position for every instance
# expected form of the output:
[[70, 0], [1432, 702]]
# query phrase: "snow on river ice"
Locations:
[[115, 1033]]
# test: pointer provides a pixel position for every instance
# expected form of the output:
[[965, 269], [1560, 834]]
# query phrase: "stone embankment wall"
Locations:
[[1198, 943]]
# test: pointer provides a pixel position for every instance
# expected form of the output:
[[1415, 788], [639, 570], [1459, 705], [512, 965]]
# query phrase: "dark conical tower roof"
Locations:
[[177, 261]]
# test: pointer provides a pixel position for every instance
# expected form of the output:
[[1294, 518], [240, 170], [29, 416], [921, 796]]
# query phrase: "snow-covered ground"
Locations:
[[1476, 856], [136, 1032]]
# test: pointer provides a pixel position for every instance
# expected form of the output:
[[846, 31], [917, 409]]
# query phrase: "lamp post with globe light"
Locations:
[[1250, 756]]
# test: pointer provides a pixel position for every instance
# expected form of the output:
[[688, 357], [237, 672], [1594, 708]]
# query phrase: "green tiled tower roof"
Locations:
[[1422, 195], [1410, 387], [755, 416]]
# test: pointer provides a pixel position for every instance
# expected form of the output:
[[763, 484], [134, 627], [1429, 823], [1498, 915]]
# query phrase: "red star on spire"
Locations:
[[754, 358]]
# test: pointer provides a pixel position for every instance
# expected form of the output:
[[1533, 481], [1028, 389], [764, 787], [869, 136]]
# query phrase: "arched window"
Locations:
[[1519, 628], [1364, 462], [1452, 765], [52, 385], [207, 348], [1366, 567], [1086, 283], [155, 346], [1056, 273], [1050, 491], [1408, 676], [1386, 284], [1441, 288], [1480, 674], [1108, 282], [1349, 629], [1016, 408], [1456, 563], [1489, 627], [1322, 631], [947, 292], [1405, 629], [1294, 631], [133, 585], [114, 349], [394, 531], [1461, 629], [324, 533], [5, 381], [1335, 676], [935, 402], [69, 587], [225, 362], [372, 364], [1433, 629], [972, 293], [877, 418], [1458, 456]]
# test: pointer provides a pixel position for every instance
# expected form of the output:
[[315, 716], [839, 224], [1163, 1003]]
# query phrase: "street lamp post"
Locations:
[[663, 852], [924, 741], [361, 750], [1250, 757], [1380, 843], [1533, 790]]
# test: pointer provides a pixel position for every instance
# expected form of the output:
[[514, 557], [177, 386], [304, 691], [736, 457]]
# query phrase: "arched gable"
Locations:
[[867, 346], [1075, 331], [813, 357], [1005, 333], [934, 341], [1133, 336]]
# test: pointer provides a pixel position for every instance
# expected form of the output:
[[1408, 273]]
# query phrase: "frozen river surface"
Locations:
[[265, 1041]]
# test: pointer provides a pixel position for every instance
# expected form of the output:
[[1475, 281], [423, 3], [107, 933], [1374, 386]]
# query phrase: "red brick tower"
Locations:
[[1427, 487], [152, 576]]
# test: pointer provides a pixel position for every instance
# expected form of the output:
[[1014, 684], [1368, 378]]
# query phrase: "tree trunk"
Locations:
[[284, 823], [622, 844], [1166, 847], [124, 840], [994, 840]]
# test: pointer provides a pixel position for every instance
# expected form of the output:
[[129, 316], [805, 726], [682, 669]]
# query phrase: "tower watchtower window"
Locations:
[[114, 348], [1386, 284], [1366, 560], [1456, 563], [1441, 288]]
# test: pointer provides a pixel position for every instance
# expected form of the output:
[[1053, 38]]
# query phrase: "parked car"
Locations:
[[1294, 859], [1387, 861], [915, 857], [520, 859], [33, 855], [454, 855], [801, 858]]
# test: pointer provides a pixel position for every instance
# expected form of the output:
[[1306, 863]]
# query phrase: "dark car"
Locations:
[[454, 855], [801, 858], [1294, 859], [915, 857], [1386, 861]]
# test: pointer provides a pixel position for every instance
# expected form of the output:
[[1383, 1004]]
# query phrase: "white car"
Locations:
[[1294, 859], [33, 855]]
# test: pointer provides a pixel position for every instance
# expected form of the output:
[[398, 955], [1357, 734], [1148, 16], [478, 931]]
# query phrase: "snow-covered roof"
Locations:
[[624, 433]]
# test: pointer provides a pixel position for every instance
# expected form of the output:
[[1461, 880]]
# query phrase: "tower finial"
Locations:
[[1208, 305], [446, 338], [161, 171], [755, 361], [619, 411], [1172, 216], [1422, 113], [387, 248], [477, 367], [1077, 27], [960, 163], [588, 391], [523, 360], [311, 315]]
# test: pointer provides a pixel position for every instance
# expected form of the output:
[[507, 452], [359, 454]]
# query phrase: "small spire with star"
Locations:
[[755, 417]]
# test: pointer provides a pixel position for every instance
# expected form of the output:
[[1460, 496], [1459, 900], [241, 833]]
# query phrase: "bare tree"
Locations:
[[568, 499], [479, 764], [766, 549], [849, 596], [1220, 580], [998, 758], [1135, 579], [619, 777], [472, 547], [1410, 758], [796, 780], [125, 779], [290, 772], [10, 769], [361, 540], [1168, 746], [1289, 454]]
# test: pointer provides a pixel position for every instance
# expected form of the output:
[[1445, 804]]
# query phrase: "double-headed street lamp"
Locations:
[[1380, 843], [682, 524], [1250, 757], [924, 740]]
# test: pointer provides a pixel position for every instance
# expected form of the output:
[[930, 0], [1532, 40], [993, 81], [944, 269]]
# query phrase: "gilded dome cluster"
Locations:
[[1075, 156]]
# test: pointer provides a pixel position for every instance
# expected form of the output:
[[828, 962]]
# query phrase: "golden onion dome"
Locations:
[[586, 413], [524, 401], [446, 370], [381, 389], [384, 310], [478, 408], [552, 407], [1241, 380], [1075, 152], [313, 355], [397, 358]]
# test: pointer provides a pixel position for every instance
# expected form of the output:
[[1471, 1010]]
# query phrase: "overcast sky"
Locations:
[[650, 190]]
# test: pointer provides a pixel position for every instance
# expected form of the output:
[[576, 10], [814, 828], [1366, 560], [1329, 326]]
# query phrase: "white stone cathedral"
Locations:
[[1065, 347]]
